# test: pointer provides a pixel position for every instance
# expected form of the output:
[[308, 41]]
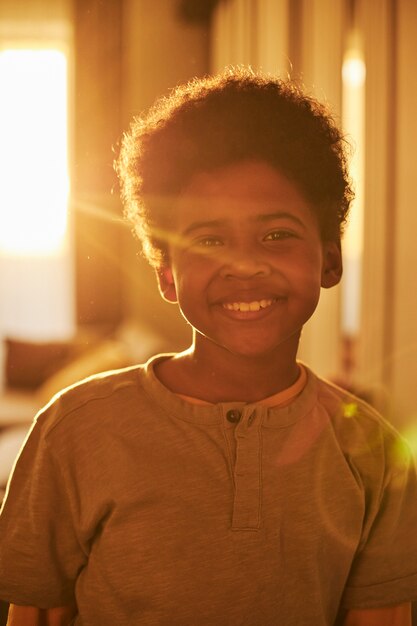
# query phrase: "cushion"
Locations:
[[28, 364]]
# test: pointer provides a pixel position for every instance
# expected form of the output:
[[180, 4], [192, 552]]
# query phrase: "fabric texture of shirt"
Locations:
[[150, 510]]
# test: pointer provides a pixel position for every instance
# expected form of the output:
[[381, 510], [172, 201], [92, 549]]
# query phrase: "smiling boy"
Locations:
[[246, 278], [226, 485]]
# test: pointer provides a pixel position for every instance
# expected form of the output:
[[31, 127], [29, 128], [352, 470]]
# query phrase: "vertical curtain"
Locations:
[[252, 33], [97, 130], [401, 235]]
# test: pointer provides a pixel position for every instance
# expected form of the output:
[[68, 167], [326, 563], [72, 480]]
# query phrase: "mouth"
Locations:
[[254, 305]]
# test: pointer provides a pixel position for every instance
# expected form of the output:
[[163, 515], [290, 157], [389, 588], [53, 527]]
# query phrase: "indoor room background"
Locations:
[[76, 295]]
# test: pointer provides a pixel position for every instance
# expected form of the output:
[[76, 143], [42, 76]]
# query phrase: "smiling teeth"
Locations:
[[256, 305]]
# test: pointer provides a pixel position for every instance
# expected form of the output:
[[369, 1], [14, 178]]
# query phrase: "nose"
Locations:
[[244, 264]]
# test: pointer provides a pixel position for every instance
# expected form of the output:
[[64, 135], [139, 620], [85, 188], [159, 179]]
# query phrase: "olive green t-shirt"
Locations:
[[151, 510]]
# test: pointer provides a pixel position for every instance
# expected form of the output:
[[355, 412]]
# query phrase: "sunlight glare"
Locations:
[[354, 70], [353, 122], [34, 182]]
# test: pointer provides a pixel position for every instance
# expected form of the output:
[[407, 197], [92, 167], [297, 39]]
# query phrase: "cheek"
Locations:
[[194, 279], [195, 270], [305, 268], [190, 284]]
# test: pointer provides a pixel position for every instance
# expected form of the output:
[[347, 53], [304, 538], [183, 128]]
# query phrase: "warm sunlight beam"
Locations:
[[34, 180]]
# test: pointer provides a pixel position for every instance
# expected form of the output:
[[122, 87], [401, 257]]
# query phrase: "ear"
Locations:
[[166, 284], [332, 264]]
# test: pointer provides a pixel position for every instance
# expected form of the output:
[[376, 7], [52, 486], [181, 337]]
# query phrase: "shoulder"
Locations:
[[346, 409], [364, 435], [117, 403], [92, 400], [340, 402]]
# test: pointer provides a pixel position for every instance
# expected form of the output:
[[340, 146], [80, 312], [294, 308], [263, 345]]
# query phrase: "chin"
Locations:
[[250, 345], [256, 351]]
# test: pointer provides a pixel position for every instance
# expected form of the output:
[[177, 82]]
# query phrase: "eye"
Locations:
[[279, 235], [208, 242]]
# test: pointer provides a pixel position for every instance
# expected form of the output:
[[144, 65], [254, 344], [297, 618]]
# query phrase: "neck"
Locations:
[[214, 374]]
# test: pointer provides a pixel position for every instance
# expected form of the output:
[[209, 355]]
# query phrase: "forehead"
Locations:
[[239, 186]]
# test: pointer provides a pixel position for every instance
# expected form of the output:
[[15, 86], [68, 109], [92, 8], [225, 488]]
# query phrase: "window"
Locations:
[[34, 181]]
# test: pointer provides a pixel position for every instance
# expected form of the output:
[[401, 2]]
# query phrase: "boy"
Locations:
[[225, 485]]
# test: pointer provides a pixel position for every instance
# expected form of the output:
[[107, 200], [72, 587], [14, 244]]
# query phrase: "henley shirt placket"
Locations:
[[247, 469]]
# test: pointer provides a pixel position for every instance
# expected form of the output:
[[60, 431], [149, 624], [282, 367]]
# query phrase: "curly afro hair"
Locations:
[[218, 120]]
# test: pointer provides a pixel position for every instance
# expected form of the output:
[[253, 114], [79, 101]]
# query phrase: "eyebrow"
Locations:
[[207, 224], [267, 217]]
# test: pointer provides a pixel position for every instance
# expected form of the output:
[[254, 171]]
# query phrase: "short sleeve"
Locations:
[[384, 571], [40, 555]]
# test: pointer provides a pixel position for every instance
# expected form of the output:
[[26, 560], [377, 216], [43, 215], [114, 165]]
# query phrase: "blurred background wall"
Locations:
[[355, 55]]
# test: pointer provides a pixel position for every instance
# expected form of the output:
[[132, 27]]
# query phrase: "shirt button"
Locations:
[[233, 416]]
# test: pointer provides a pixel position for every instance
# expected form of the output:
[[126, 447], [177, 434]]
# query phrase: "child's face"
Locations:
[[249, 262]]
